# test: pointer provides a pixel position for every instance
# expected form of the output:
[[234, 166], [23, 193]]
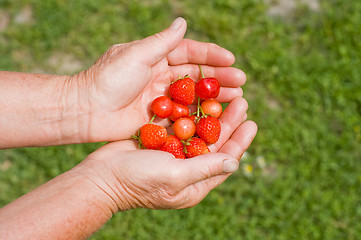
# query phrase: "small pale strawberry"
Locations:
[[195, 146], [174, 146], [209, 129]]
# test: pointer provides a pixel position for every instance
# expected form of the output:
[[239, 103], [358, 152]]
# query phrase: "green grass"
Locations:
[[304, 92]]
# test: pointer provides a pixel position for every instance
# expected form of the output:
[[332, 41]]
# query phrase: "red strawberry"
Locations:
[[151, 136], [174, 146], [179, 111], [209, 129], [183, 91], [196, 146], [207, 88], [162, 106]]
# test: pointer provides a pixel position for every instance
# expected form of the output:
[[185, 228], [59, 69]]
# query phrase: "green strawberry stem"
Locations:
[[203, 114], [137, 138], [152, 119], [179, 78], [200, 69], [198, 106]]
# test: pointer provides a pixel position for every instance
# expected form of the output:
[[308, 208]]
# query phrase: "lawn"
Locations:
[[300, 179]]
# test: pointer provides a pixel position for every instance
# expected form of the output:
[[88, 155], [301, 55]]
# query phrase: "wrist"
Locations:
[[98, 170], [73, 114], [40, 110], [69, 205]]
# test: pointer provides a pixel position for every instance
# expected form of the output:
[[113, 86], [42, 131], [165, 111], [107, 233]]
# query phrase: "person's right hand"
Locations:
[[118, 177], [154, 179]]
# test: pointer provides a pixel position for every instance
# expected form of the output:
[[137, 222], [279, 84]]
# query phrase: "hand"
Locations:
[[154, 179], [117, 177], [114, 95]]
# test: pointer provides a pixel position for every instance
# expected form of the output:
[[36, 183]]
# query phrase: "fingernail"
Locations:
[[230, 165], [176, 24]]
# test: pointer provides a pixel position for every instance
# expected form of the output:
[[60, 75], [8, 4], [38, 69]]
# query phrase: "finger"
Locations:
[[226, 95], [245, 117], [124, 145], [230, 119], [227, 76], [152, 49], [190, 51], [193, 170], [240, 140]]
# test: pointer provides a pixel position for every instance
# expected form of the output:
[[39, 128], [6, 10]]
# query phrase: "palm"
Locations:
[[123, 106]]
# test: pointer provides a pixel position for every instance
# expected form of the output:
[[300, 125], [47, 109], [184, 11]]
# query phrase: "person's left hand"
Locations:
[[113, 96]]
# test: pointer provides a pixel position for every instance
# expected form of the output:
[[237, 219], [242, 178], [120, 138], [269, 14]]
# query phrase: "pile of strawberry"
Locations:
[[192, 131]]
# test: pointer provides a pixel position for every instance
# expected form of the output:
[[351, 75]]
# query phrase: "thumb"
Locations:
[[207, 166], [152, 49]]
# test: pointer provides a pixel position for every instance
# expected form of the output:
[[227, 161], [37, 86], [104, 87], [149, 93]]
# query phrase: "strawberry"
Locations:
[[184, 128], [179, 111], [212, 107], [162, 106], [183, 91], [174, 146], [195, 146], [151, 136], [207, 88], [209, 129]]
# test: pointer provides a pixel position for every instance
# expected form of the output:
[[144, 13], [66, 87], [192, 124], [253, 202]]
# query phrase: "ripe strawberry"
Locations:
[[209, 129], [196, 146], [207, 88], [151, 136], [183, 91], [174, 146], [162, 106], [179, 111]]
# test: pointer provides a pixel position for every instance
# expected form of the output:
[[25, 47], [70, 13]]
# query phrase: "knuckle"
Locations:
[[213, 47], [168, 198], [170, 201], [226, 127], [162, 39]]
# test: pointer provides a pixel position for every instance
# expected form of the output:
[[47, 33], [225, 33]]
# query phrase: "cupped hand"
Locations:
[[132, 178], [114, 95]]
